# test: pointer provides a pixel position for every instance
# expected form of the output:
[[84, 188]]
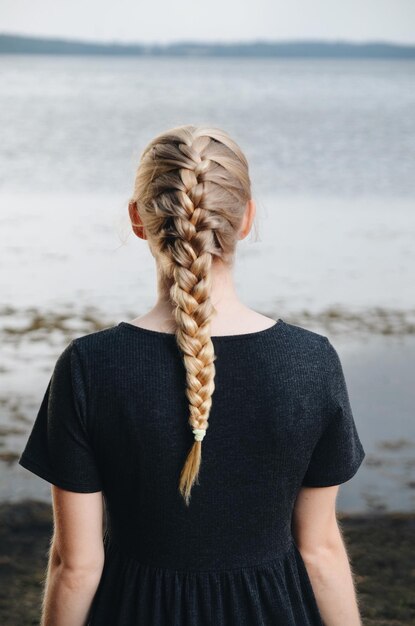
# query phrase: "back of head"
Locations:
[[191, 190]]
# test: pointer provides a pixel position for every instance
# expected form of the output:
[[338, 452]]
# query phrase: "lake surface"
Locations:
[[343, 128], [331, 147]]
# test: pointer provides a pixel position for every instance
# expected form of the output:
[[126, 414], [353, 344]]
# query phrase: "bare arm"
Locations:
[[76, 558], [318, 537]]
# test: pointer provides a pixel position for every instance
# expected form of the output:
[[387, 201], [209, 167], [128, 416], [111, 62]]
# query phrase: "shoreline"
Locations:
[[34, 324], [378, 544]]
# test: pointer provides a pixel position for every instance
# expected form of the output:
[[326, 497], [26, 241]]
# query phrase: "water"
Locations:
[[321, 127], [331, 146]]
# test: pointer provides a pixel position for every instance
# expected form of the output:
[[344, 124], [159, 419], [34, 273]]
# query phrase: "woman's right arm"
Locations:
[[318, 537]]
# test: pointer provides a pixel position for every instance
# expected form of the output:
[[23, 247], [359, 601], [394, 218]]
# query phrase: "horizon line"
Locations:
[[254, 40]]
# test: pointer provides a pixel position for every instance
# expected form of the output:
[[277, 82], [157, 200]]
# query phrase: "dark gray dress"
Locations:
[[114, 417]]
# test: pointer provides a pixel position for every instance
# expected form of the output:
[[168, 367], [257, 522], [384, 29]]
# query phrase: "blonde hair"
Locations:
[[191, 190]]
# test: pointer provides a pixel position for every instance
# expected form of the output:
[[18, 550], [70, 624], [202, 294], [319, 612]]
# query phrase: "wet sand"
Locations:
[[379, 548]]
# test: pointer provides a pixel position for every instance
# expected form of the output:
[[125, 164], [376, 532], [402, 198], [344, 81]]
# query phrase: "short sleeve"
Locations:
[[58, 448], [338, 452]]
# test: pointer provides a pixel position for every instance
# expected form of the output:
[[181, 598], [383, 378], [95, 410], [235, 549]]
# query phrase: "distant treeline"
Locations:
[[19, 44]]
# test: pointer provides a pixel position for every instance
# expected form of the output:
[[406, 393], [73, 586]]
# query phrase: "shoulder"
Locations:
[[318, 360], [315, 349], [312, 354], [305, 340], [306, 356], [96, 343]]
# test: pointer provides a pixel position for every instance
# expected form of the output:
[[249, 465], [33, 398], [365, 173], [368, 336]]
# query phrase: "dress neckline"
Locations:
[[159, 333]]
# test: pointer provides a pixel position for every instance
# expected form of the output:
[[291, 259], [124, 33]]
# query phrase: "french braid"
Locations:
[[191, 189]]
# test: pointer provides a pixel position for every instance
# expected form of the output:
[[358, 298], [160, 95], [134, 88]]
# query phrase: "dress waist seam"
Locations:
[[112, 544]]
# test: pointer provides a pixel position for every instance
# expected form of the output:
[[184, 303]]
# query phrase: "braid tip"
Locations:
[[190, 472]]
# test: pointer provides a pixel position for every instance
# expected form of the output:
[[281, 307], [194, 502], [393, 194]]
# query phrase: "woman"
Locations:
[[246, 535]]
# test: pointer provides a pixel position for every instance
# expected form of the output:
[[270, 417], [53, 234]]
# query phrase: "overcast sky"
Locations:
[[212, 20]]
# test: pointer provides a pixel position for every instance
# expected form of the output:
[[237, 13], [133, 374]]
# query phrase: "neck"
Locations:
[[223, 294]]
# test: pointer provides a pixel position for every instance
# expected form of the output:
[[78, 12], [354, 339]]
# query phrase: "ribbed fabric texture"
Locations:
[[114, 417]]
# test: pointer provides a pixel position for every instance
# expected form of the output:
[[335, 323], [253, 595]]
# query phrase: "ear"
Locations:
[[136, 222], [248, 218]]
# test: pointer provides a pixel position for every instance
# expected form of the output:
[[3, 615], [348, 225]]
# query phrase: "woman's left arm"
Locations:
[[76, 558]]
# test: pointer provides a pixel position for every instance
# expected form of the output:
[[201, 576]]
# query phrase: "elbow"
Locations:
[[77, 580], [322, 557], [74, 571]]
